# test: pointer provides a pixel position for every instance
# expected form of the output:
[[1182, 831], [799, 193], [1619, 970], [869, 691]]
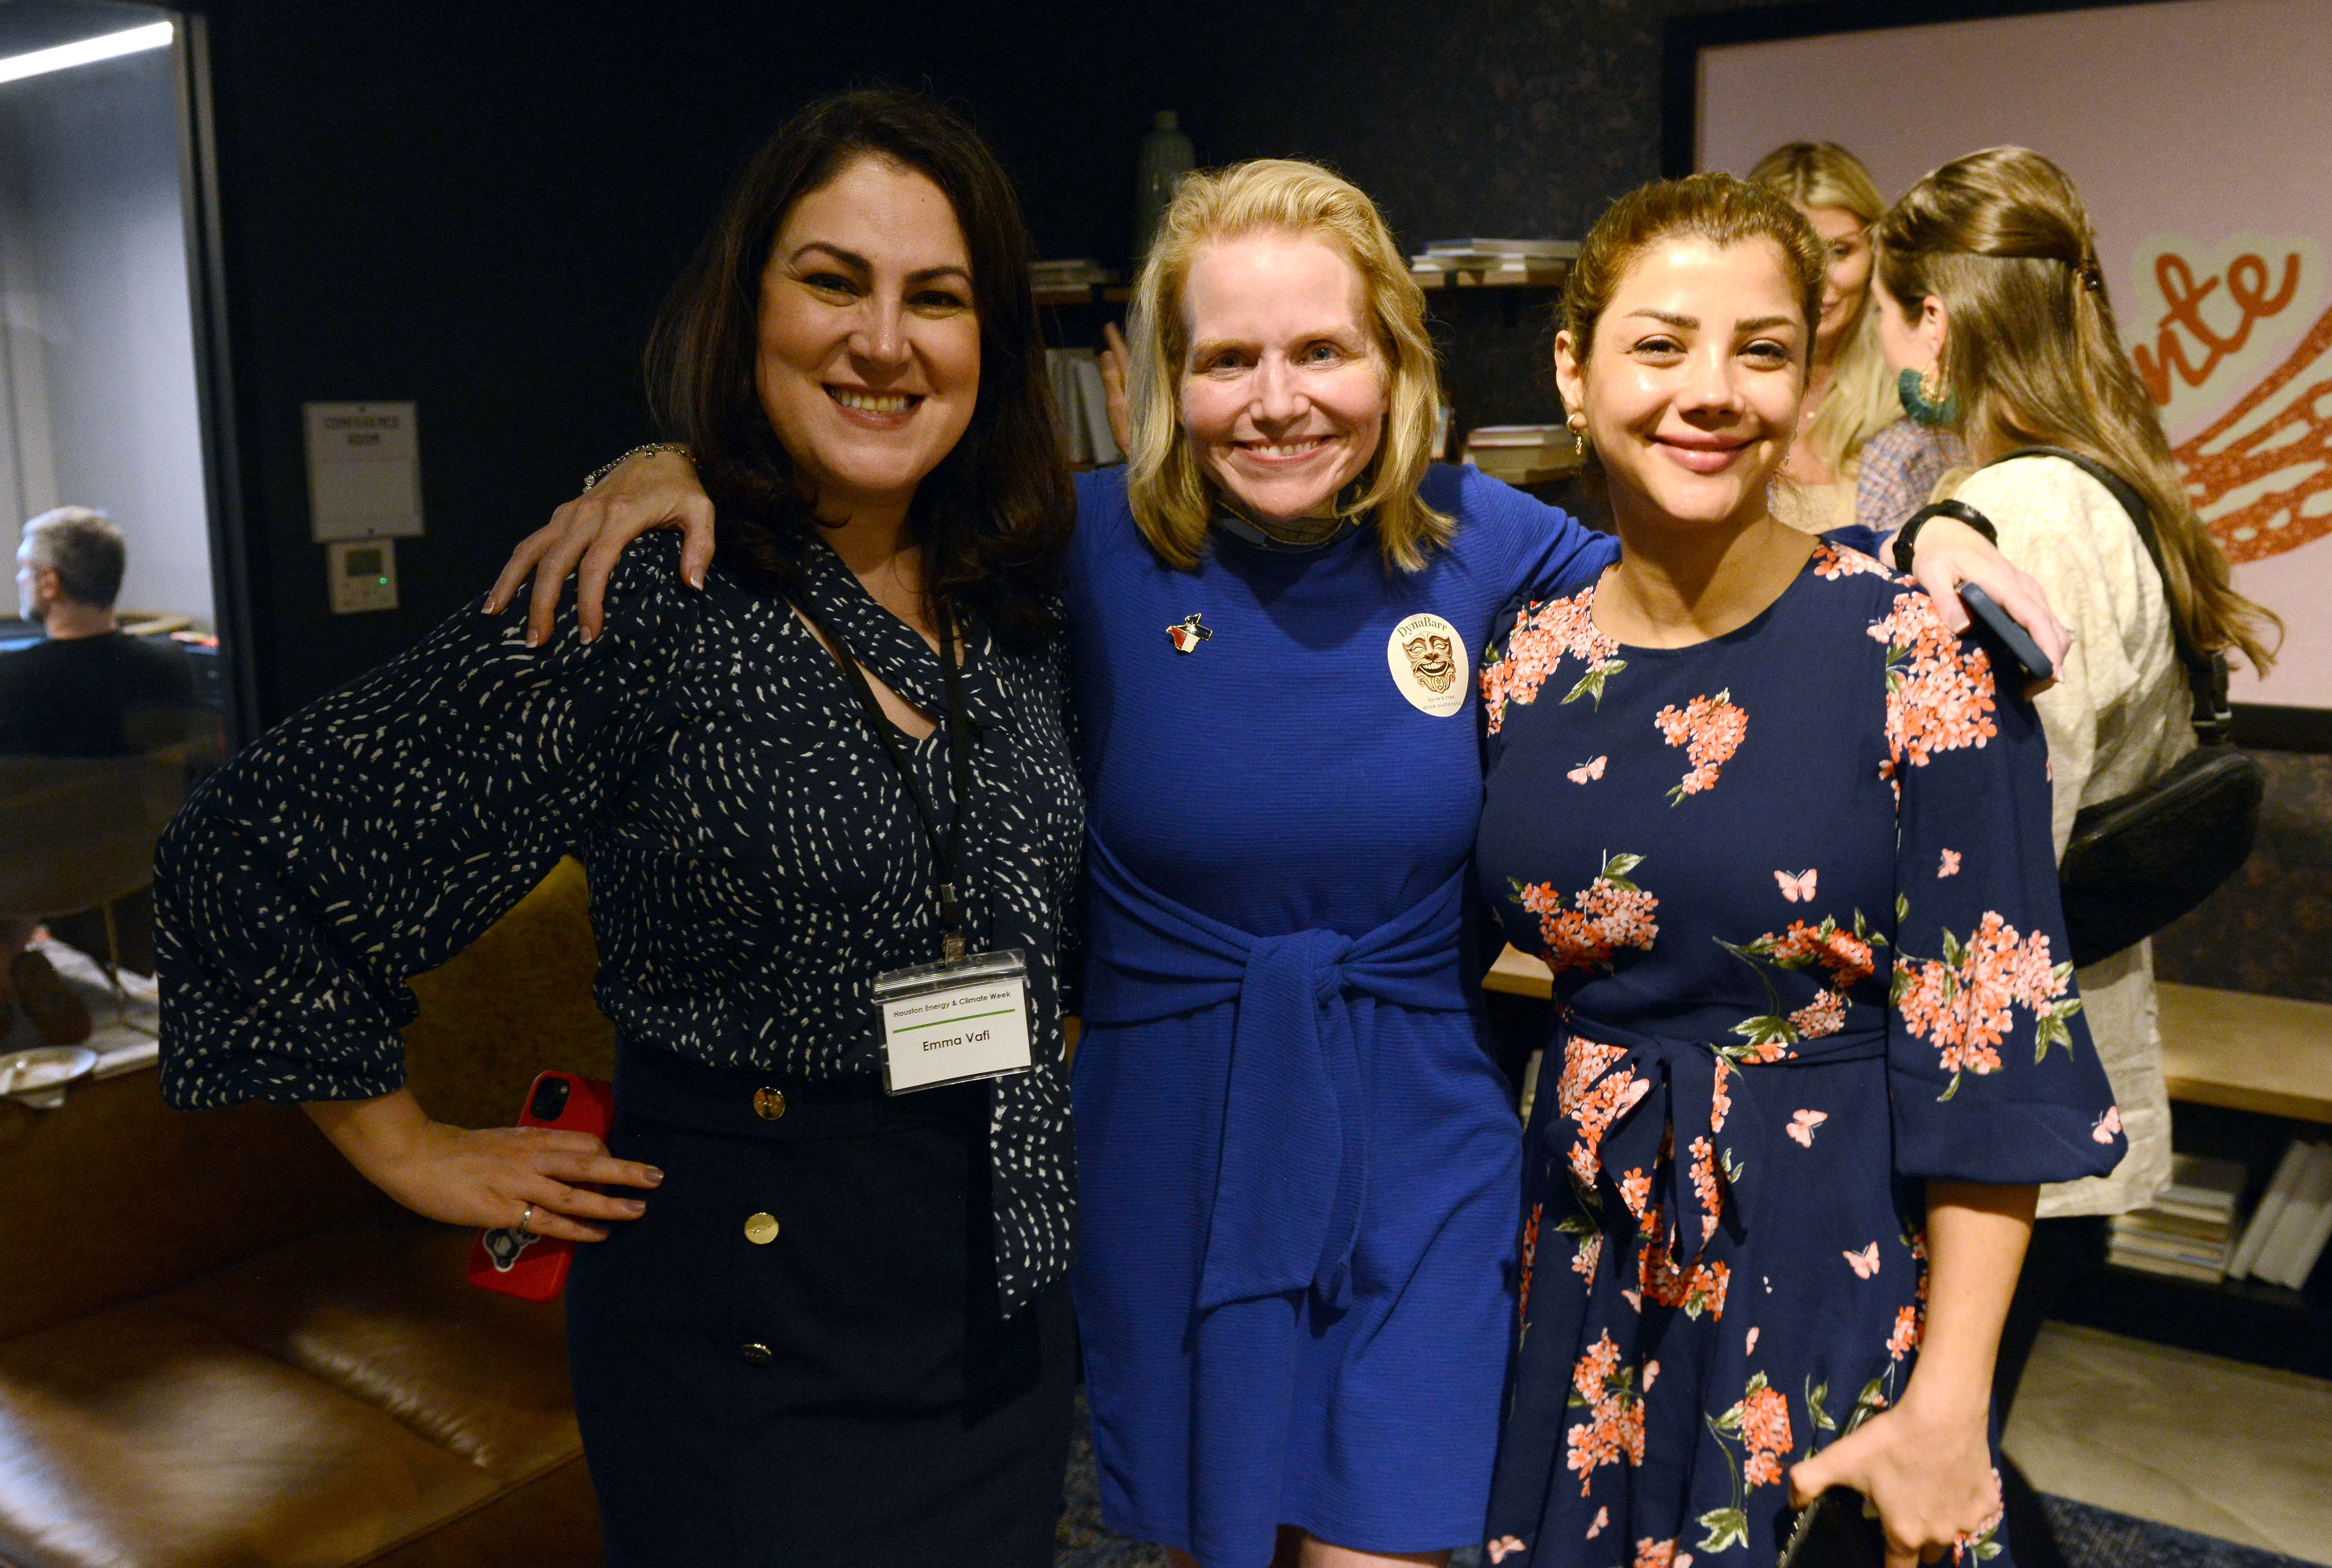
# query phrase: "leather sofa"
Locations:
[[219, 1347]]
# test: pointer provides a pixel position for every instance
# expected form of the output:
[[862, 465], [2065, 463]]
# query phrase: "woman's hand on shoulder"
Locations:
[[1948, 553], [648, 490], [489, 1177], [1929, 1473]]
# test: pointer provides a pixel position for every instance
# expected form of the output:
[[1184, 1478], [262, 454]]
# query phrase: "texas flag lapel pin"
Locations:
[[1188, 634]]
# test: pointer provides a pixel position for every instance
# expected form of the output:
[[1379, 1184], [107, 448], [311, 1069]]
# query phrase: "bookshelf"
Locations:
[[1480, 278], [2246, 1074], [1083, 294]]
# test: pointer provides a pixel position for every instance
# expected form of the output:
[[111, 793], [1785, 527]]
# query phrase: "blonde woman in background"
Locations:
[[1991, 301], [1849, 397]]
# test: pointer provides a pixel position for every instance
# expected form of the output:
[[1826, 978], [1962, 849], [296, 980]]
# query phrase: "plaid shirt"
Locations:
[[1899, 468]]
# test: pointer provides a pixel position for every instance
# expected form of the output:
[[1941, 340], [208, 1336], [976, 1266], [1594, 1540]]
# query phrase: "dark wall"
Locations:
[[479, 207]]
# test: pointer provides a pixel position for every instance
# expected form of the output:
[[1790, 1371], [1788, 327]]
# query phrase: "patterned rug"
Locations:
[[2088, 1537]]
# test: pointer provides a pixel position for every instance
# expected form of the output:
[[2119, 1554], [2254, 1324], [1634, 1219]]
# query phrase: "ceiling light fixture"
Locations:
[[40, 61]]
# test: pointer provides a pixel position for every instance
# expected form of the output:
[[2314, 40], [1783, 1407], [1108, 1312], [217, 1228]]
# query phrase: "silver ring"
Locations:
[[526, 1219]]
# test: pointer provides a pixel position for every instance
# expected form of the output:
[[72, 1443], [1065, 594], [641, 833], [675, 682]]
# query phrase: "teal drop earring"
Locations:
[[1924, 406]]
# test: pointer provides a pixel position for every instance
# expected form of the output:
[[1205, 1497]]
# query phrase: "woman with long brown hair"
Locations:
[[812, 1324], [1993, 310]]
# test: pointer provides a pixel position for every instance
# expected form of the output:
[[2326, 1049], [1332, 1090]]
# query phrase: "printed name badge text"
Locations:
[[951, 1034]]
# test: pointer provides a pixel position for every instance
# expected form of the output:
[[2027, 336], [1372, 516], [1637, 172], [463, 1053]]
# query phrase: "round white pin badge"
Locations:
[[1429, 665]]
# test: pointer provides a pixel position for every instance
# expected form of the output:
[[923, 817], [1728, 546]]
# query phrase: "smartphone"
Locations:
[[518, 1262], [1994, 625], [1836, 1530]]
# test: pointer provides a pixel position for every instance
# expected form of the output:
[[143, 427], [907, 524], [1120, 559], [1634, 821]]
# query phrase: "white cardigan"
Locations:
[[2116, 719]]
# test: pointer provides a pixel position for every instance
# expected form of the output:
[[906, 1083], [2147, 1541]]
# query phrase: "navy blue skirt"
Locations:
[[843, 1392]]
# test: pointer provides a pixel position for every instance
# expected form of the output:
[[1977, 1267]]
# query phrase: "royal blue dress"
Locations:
[[1798, 890], [1298, 1164]]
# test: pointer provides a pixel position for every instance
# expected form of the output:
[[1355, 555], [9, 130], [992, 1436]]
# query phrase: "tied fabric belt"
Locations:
[[1638, 1106], [1294, 1148]]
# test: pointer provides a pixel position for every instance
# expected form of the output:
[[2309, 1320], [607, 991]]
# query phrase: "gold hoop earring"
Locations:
[[1577, 425]]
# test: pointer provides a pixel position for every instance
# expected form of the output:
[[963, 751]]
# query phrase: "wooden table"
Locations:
[[2267, 1055]]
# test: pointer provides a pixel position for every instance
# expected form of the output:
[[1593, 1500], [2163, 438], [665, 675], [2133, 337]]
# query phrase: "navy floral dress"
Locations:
[[1797, 888]]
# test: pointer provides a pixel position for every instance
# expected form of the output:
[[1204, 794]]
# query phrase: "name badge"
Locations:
[[952, 1023]]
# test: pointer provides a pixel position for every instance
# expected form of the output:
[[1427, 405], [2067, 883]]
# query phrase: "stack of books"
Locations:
[[1523, 453], [2188, 1231], [1075, 276], [1081, 408], [2294, 1221], [1494, 261]]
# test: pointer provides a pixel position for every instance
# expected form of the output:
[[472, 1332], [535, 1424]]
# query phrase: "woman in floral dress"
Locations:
[[1785, 843]]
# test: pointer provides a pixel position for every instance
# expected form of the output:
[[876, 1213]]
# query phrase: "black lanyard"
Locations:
[[946, 847]]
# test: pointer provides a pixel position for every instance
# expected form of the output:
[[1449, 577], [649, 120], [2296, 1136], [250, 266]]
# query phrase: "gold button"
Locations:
[[768, 1104], [755, 1354], [761, 1229]]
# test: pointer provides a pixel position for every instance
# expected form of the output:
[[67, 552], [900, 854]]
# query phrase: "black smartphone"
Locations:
[[1995, 628], [1833, 1532]]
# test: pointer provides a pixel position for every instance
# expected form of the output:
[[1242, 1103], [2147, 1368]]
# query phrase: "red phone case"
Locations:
[[518, 1262]]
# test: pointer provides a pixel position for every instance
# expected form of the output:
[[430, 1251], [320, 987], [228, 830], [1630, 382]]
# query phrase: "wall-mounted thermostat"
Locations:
[[363, 574]]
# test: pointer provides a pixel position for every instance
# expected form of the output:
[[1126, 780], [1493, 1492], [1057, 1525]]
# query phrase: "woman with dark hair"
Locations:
[[838, 1329], [1782, 838]]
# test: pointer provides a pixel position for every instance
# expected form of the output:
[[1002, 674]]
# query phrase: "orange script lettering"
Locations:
[[2247, 283]]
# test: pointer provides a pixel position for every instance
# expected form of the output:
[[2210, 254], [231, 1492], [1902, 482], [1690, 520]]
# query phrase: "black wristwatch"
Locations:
[[1957, 511]]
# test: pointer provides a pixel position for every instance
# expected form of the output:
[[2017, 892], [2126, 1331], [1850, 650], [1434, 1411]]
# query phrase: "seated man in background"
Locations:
[[86, 689]]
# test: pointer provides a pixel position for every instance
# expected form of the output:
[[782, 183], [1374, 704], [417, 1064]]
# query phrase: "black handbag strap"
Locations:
[[2206, 673]]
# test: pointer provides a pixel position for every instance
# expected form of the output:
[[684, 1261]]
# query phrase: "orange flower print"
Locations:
[[1750, 1347], [1544, 634], [1698, 1289], [1530, 1257], [1613, 1427], [1845, 955], [1652, 1553], [1951, 866], [1591, 1100], [1704, 1182], [1710, 730], [1939, 692], [1825, 1015], [1720, 1101], [1503, 1547], [1833, 562], [1965, 1004], [1591, 1249], [1602, 1522], [1635, 1192], [1612, 913], [1906, 1337], [1764, 1433]]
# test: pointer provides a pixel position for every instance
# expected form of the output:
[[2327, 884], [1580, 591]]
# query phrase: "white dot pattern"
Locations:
[[754, 859]]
